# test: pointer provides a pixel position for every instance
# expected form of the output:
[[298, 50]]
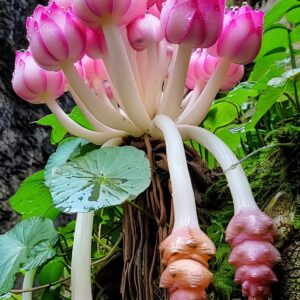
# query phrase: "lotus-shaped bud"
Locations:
[[33, 83], [64, 4], [144, 32], [94, 73], [202, 66], [185, 253], [95, 43], [250, 234], [206, 64], [95, 13], [55, 36], [240, 40], [193, 22]]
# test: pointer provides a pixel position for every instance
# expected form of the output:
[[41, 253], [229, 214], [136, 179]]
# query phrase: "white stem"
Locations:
[[27, 284], [200, 109], [172, 98], [151, 88], [71, 126], [81, 257], [93, 121], [124, 76], [98, 108], [81, 253], [237, 180], [188, 105], [182, 190]]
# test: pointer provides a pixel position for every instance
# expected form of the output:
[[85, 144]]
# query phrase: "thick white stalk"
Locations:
[[173, 94], [81, 253], [182, 190], [81, 257], [98, 126], [199, 110], [98, 108], [151, 88], [237, 180], [77, 130], [124, 77], [27, 284]]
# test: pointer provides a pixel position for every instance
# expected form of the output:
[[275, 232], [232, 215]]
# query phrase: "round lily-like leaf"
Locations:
[[104, 177], [27, 246]]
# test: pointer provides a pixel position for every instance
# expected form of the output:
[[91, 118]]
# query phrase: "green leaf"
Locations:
[[262, 65], [64, 152], [291, 74], [58, 131], [219, 115], [103, 177], [52, 271], [278, 10], [266, 100], [33, 198], [293, 15], [295, 35], [28, 245], [241, 93], [276, 38], [277, 82]]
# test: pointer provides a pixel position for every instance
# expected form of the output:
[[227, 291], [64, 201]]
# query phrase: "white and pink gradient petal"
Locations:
[[144, 32]]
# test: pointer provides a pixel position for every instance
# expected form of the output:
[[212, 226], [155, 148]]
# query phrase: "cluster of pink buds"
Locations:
[[251, 234], [127, 61]]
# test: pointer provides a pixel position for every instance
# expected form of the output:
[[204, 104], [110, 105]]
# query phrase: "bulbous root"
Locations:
[[251, 234], [185, 254]]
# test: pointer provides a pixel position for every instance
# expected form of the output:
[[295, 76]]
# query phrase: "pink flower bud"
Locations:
[[160, 3], [144, 32], [55, 36], [95, 13], [206, 64], [150, 3], [34, 84], [95, 43], [191, 77], [197, 23], [154, 11], [241, 37], [64, 4], [93, 71]]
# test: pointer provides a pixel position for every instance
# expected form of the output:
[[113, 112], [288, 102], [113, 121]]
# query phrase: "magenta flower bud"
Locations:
[[33, 83], [150, 3], [95, 13], [95, 43], [240, 40], [251, 234], [144, 32], [55, 36], [160, 3], [193, 22], [64, 4], [154, 11]]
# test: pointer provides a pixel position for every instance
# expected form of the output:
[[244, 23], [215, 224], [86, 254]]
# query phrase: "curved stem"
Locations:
[[173, 94], [71, 126], [124, 77], [98, 108], [93, 121], [81, 254], [200, 109], [182, 190], [236, 177], [27, 284]]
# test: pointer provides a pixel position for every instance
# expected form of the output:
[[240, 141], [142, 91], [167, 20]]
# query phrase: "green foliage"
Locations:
[[33, 198], [27, 246], [58, 131], [272, 91], [101, 178]]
